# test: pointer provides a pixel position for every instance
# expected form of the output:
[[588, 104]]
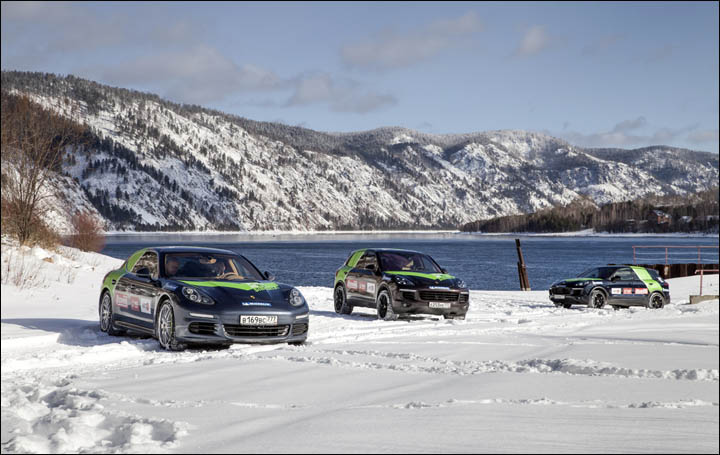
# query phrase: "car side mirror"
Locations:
[[269, 276], [614, 278], [143, 273], [443, 270]]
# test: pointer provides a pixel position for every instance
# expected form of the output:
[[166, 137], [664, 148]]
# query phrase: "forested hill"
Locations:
[[691, 213]]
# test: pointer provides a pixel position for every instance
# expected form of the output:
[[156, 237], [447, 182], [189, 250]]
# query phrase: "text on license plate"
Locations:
[[439, 305], [559, 296], [258, 320]]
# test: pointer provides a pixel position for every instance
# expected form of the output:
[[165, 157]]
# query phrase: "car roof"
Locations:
[[189, 249], [390, 250]]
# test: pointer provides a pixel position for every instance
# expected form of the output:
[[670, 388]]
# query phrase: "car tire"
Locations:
[[296, 343], [383, 303], [340, 300], [106, 316], [457, 316], [656, 301], [165, 328], [617, 307], [567, 306], [597, 299]]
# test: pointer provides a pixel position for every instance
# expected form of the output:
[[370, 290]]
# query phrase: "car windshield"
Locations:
[[210, 266], [598, 272], [407, 262]]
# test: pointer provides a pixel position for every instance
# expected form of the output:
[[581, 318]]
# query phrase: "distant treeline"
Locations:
[[690, 213]]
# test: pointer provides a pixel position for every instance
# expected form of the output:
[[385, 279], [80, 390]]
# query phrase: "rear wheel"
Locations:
[[656, 301], [341, 304], [597, 299], [384, 306], [165, 328], [106, 316]]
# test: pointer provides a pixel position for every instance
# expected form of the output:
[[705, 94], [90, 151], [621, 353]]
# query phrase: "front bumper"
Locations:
[[563, 295], [447, 302], [225, 328]]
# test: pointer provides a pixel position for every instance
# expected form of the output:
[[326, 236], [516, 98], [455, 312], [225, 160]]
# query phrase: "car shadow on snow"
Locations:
[[371, 316], [84, 333], [76, 332]]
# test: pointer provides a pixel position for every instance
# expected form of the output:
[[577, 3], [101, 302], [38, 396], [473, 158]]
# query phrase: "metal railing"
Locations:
[[674, 254]]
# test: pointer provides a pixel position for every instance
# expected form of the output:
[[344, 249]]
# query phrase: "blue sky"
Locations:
[[596, 74]]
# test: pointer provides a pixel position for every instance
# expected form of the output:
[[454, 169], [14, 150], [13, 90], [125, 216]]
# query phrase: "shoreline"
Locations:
[[583, 233]]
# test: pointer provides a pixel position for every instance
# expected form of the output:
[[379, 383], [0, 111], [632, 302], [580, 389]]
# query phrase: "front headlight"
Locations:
[[461, 284], [196, 297], [403, 281], [296, 298]]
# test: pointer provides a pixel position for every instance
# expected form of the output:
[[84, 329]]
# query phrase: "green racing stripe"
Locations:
[[253, 286], [652, 285], [352, 262], [429, 276], [572, 280]]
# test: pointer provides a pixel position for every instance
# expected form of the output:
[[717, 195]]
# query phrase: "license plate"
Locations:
[[258, 320], [559, 296], [439, 304]]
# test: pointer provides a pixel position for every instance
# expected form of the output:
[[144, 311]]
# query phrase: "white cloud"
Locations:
[[624, 134], [704, 136], [392, 50], [536, 40], [342, 95]]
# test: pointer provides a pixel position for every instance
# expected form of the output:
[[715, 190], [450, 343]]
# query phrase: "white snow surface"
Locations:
[[518, 375]]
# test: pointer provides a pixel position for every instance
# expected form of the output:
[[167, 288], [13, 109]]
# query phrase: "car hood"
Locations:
[[427, 279], [571, 281], [246, 293]]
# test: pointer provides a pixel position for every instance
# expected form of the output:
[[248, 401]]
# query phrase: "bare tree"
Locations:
[[33, 143]]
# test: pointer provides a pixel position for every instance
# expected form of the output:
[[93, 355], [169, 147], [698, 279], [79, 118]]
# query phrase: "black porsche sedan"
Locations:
[[618, 286], [398, 282], [186, 295]]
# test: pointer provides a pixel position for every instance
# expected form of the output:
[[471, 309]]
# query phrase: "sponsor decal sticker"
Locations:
[[121, 300], [352, 284], [641, 291], [371, 288], [627, 290], [615, 291], [145, 306], [134, 303], [256, 304]]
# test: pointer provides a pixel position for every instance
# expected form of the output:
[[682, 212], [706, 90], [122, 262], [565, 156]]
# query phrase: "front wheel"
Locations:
[[106, 317], [384, 306], [656, 301], [340, 299], [597, 299], [165, 328]]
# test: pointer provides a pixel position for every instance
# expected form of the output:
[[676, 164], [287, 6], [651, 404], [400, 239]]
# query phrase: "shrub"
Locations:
[[88, 233]]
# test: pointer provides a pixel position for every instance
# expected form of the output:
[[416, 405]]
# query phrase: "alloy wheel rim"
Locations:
[[165, 326], [382, 306], [338, 299], [599, 300], [105, 316], [656, 302]]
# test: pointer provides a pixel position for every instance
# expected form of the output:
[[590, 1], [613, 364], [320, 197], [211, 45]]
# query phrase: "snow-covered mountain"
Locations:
[[152, 164]]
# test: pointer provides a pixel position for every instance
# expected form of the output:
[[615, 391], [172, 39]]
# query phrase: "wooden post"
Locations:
[[522, 271]]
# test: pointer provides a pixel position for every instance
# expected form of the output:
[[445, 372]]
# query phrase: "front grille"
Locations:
[[408, 295], [463, 298], [202, 328], [561, 291], [433, 296], [299, 329], [234, 330]]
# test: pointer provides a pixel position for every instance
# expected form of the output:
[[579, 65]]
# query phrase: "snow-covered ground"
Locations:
[[518, 375]]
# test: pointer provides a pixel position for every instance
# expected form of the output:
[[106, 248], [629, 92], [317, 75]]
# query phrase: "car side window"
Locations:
[[366, 260], [624, 274], [147, 261]]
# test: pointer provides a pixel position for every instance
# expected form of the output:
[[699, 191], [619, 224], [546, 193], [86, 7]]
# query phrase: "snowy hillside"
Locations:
[[519, 375], [151, 164]]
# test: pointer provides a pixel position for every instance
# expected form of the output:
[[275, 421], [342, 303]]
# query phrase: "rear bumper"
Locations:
[[414, 301]]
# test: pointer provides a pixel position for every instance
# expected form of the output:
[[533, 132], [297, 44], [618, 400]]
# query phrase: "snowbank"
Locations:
[[517, 375]]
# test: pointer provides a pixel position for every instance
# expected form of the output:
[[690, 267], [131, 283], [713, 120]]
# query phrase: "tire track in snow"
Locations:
[[432, 365]]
